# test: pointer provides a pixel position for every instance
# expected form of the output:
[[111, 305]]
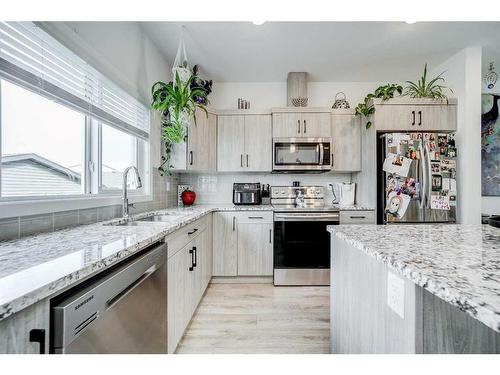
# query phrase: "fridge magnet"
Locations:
[[437, 182], [397, 203], [440, 202], [397, 164], [442, 140], [453, 200], [448, 165], [451, 152], [435, 167], [451, 140]]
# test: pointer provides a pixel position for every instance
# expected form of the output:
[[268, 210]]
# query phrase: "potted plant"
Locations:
[[427, 89], [385, 92], [177, 102]]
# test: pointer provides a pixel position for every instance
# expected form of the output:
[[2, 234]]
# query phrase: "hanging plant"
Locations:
[[385, 92], [177, 104]]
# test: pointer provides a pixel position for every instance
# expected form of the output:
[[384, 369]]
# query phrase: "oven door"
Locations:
[[302, 248], [301, 154]]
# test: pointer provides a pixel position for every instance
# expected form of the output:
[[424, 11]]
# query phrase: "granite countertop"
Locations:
[[40, 266], [458, 263]]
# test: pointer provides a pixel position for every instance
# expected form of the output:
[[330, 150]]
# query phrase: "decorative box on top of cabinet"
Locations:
[[301, 122], [408, 114]]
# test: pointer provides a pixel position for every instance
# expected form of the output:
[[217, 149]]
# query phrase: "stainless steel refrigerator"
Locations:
[[417, 174]]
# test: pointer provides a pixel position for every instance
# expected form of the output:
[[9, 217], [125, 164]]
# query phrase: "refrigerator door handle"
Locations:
[[424, 177], [429, 177]]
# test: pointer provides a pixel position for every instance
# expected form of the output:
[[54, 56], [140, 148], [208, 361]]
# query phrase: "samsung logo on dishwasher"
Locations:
[[86, 300]]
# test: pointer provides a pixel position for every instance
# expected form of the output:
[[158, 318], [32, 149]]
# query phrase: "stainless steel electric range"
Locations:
[[301, 241]]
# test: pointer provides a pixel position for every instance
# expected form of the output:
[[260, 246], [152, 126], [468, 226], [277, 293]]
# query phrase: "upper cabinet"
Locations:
[[301, 122], [199, 152], [406, 114], [346, 141], [244, 143]]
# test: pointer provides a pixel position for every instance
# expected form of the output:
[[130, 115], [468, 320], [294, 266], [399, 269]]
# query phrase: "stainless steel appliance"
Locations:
[[247, 193], [124, 311], [302, 154], [301, 242], [431, 183]]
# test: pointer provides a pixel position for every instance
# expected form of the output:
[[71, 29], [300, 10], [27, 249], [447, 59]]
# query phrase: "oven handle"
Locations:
[[306, 217]]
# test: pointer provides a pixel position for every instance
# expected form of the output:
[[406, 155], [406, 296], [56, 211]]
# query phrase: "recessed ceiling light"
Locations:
[[410, 22], [258, 22]]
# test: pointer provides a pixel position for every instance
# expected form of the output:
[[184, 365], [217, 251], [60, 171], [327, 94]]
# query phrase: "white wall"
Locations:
[[463, 76], [273, 94], [122, 52]]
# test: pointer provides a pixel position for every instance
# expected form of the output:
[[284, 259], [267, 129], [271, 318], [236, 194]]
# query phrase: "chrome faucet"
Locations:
[[126, 205]]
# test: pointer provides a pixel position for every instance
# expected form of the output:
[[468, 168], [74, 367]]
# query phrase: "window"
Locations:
[[66, 130], [43, 145]]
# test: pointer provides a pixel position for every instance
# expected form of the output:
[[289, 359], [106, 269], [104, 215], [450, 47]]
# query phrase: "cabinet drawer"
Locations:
[[357, 217], [180, 238], [257, 217]]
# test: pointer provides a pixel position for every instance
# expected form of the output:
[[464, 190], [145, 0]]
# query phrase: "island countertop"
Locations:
[[458, 263]]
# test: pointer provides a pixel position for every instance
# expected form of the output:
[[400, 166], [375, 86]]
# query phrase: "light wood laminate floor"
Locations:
[[260, 318]]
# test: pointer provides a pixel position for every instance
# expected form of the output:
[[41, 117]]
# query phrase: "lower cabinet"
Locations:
[[189, 272], [243, 243], [357, 217]]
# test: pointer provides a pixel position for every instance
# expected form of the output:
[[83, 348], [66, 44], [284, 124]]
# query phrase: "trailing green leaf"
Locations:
[[367, 108]]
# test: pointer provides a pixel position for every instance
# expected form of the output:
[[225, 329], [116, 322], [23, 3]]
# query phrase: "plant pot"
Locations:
[[188, 197]]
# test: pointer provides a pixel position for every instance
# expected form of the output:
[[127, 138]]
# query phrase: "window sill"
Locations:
[[49, 205]]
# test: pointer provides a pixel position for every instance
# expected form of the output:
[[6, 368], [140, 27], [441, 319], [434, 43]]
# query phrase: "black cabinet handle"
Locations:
[[413, 117], [247, 160], [256, 217], [332, 160], [270, 235], [419, 118], [195, 256], [191, 267], [38, 335], [193, 231], [357, 217], [190, 157], [234, 223], [241, 160], [305, 127], [298, 126]]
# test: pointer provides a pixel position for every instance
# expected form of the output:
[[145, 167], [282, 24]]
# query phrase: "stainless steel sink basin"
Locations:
[[163, 217], [128, 224]]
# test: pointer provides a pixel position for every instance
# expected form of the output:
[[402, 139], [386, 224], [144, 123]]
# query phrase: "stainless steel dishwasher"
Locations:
[[122, 312]]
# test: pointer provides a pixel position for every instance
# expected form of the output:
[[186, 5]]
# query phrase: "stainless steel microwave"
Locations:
[[302, 154]]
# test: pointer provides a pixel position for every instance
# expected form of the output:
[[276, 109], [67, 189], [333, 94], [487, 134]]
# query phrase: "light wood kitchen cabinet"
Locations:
[[225, 242], [346, 141], [15, 330], [301, 124], [406, 114], [357, 217], [189, 271], [255, 248], [243, 243], [244, 143], [199, 152]]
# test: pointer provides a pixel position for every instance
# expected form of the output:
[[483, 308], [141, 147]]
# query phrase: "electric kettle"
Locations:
[[347, 193]]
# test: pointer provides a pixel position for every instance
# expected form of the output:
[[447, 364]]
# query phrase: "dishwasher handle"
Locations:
[[123, 293]]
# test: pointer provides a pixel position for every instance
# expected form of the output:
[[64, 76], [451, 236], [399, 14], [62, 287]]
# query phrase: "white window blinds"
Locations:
[[31, 57]]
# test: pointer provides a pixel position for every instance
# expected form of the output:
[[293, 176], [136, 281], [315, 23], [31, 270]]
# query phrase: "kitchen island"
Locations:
[[415, 289]]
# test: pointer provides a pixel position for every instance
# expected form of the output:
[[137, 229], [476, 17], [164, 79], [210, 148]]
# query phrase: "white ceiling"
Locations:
[[329, 51]]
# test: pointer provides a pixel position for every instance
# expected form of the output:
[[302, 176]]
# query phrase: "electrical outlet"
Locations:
[[396, 294]]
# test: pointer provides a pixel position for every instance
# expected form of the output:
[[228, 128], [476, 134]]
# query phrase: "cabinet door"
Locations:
[[395, 118], [255, 249], [207, 254], [230, 143], [224, 244], [315, 125], [178, 269], [15, 330], [258, 143], [436, 117], [198, 246], [346, 142], [201, 150], [287, 125]]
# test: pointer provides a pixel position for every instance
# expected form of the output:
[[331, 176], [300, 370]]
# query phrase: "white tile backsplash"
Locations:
[[218, 188]]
